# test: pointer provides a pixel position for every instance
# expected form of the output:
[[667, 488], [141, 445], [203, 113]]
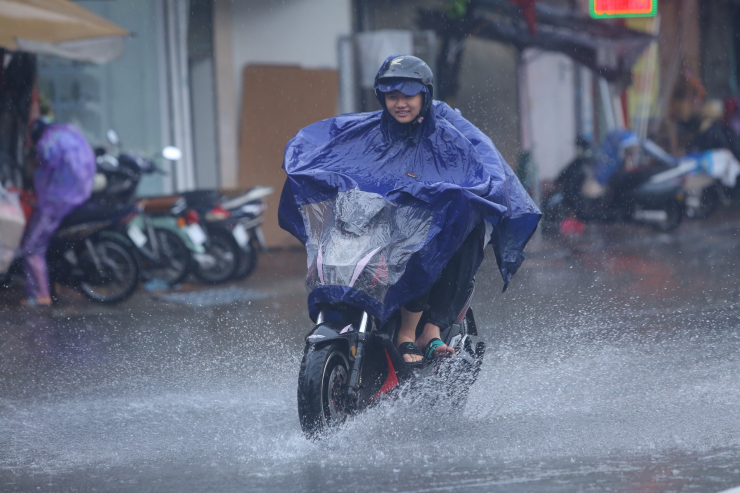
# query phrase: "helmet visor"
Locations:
[[406, 86]]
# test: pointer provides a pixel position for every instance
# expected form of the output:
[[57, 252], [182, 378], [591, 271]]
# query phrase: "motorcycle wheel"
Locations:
[[709, 200], [119, 274], [674, 214], [323, 404], [226, 255], [175, 263], [248, 261]]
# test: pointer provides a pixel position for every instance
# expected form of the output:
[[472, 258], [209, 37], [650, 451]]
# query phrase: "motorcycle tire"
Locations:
[[322, 390], [248, 261], [120, 270], [709, 201], [674, 215], [175, 264], [226, 252]]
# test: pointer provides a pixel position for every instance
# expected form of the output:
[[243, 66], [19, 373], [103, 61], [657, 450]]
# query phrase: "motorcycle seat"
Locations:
[[155, 205], [89, 212], [202, 199]]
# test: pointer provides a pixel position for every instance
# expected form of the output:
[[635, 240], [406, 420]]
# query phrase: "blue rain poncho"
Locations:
[[381, 206]]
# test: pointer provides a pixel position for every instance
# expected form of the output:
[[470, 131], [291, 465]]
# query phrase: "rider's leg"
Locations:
[[407, 332], [449, 293], [34, 246], [410, 316]]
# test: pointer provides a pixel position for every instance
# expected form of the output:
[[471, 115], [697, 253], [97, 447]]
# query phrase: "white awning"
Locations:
[[61, 28]]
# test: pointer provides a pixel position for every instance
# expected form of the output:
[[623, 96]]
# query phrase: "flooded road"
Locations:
[[612, 366]]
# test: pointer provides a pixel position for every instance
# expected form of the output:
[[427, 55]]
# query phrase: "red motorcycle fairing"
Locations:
[[391, 380]]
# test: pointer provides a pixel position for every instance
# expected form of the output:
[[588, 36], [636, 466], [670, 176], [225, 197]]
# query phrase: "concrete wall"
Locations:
[[488, 94], [290, 32], [488, 77], [551, 86], [267, 32]]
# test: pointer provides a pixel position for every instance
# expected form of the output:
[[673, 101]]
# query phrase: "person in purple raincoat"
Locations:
[[63, 180]]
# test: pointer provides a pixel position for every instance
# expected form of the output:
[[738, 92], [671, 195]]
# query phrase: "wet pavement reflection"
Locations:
[[613, 366]]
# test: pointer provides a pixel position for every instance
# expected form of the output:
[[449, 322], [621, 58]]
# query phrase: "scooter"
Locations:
[[351, 361], [89, 252], [234, 228], [165, 243], [653, 194]]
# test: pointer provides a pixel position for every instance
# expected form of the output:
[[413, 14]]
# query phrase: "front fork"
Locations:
[[354, 376], [357, 351]]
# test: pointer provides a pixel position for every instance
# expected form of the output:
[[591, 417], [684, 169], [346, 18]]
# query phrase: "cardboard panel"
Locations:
[[277, 101]]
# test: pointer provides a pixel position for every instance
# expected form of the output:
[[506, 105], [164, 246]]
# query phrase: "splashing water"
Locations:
[[607, 367]]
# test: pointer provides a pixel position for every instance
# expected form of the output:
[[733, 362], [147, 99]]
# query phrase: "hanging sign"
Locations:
[[601, 9]]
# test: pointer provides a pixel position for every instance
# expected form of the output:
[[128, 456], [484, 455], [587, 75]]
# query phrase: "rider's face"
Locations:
[[403, 108]]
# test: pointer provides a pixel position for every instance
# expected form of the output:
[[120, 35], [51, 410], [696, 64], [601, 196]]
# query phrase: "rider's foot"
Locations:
[[411, 352], [406, 336], [430, 338], [435, 348]]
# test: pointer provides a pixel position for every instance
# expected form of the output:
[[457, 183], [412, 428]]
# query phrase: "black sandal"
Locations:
[[411, 348]]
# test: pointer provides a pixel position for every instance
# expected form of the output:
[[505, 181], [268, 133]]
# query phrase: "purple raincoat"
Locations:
[[66, 168], [63, 180]]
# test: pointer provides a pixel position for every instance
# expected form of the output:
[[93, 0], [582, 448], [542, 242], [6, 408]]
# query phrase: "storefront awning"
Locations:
[[61, 28], [605, 47]]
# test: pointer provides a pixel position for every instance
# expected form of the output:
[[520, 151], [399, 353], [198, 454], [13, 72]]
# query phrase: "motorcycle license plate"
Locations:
[[240, 235], [196, 234], [137, 236]]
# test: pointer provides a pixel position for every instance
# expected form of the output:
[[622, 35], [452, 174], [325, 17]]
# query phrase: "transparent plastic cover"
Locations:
[[361, 240]]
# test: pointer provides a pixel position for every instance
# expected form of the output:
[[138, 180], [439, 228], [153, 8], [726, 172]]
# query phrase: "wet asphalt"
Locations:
[[612, 366]]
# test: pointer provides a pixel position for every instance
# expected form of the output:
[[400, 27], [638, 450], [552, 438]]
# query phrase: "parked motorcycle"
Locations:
[[89, 253], [350, 359], [650, 193], [710, 180], [234, 229], [165, 243]]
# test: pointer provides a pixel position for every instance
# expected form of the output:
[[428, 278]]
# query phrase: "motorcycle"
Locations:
[[652, 193], [350, 361], [88, 253], [165, 243], [710, 179], [234, 229]]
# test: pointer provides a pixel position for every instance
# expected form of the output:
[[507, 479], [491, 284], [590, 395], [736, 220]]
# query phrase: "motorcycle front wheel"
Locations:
[[118, 272], [323, 404]]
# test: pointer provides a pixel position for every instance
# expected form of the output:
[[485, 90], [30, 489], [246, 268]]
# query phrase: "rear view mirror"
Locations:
[[112, 137], [172, 153]]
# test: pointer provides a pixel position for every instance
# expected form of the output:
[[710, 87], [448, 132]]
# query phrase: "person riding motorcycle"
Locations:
[[62, 181], [405, 90], [416, 147]]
